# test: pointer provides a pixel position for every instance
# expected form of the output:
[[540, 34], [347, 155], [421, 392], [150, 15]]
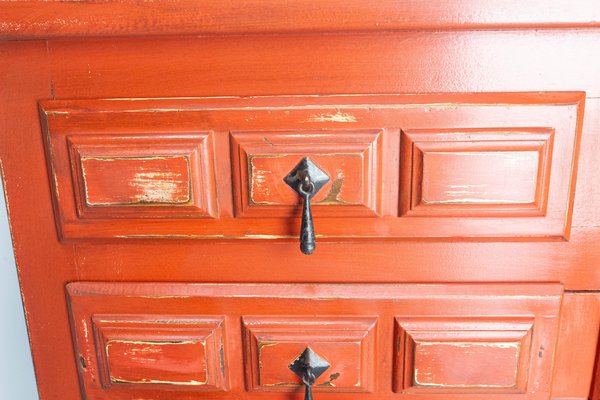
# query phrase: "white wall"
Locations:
[[17, 381]]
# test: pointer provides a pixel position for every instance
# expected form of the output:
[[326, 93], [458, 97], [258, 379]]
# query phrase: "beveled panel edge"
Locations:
[[517, 330], [181, 326], [540, 139], [364, 328], [360, 140]]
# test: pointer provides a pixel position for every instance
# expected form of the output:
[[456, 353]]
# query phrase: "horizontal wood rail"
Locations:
[[38, 19]]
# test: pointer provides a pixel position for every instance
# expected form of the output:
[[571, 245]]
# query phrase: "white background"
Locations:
[[17, 381]]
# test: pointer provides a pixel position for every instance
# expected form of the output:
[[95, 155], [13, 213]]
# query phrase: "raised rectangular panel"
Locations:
[[141, 176], [351, 159], [146, 180], [347, 343], [463, 355], [477, 172], [135, 355], [127, 176], [165, 351]]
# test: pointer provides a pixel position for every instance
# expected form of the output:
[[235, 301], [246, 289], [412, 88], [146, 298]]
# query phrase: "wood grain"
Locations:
[[43, 264], [128, 181], [400, 62], [577, 346], [42, 19]]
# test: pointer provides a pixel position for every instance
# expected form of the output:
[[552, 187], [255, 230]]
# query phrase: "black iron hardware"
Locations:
[[309, 366], [306, 179]]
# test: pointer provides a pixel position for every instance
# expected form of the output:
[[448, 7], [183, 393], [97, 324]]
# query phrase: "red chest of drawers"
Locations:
[[144, 147]]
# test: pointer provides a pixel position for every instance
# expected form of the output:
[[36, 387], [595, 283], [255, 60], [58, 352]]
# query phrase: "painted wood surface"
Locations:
[[383, 63], [134, 175], [112, 181], [42, 19], [477, 173], [158, 351], [464, 355], [352, 159], [352, 326], [347, 343], [577, 355], [49, 264], [470, 47]]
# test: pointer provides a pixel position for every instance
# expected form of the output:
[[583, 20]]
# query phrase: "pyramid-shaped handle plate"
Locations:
[[306, 169], [308, 359]]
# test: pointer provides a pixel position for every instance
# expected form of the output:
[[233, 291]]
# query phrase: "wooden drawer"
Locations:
[[476, 165], [154, 137], [388, 341]]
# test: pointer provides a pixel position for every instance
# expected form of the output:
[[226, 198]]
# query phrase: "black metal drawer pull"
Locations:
[[307, 179], [309, 366]]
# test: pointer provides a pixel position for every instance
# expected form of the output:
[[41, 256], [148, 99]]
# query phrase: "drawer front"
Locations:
[[380, 341], [348, 344], [463, 355], [496, 165], [139, 177], [159, 350], [351, 158]]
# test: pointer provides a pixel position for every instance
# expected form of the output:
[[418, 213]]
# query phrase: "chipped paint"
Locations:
[[260, 346], [222, 360], [146, 342], [332, 378], [490, 191], [82, 362], [150, 187], [326, 384], [335, 191], [51, 164], [333, 107], [163, 321], [257, 177], [157, 187], [470, 347], [473, 344], [159, 236], [332, 117], [416, 382], [469, 200], [158, 382], [249, 236], [257, 183], [216, 236], [85, 329], [281, 384], [57, 113], [142, 354]]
